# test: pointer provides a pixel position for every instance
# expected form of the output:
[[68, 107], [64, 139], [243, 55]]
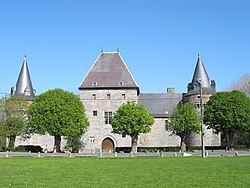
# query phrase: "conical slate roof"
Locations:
[[24, 86], [108, 71], [200, 73]]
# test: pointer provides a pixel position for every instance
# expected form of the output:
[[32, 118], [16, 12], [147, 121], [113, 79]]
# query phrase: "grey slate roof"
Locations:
[[109, 71], [24, 86], [208, 86], [160, 103]]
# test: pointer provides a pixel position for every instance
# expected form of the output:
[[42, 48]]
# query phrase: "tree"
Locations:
[[13, 118], [243, 84], [74, 144], [184, 121], [59, 113], [228, 112], [132, 119]]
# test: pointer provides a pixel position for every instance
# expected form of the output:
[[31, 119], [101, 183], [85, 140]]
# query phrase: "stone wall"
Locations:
[[99, 101], [159, 136], [210, 139], [45, 141]]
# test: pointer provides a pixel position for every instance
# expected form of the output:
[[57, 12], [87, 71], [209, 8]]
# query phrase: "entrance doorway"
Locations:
[[108, 145]]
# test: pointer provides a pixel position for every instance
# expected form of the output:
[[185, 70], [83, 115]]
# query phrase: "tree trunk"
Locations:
[[229, 140], [183, 145], [57, 143], [11, 141], [248, 139], [134, 141]]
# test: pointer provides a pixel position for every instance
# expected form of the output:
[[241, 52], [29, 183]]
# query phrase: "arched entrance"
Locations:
[[108, 145]]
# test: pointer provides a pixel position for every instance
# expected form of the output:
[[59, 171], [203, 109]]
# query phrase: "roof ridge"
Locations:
[[109, 71]]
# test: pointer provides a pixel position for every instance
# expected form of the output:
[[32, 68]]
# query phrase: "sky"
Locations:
[[159, 40]]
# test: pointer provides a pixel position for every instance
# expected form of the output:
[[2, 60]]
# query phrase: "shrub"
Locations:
[[74, 144]]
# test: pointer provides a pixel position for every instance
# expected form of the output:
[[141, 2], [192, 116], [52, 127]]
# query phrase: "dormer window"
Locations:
[[94, 84], [27, 91], [121, 83]]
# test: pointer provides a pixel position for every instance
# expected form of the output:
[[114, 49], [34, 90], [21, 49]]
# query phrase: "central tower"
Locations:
[[107, 85]]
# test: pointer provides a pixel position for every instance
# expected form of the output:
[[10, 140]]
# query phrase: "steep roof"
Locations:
[[24, 86], [158, 104], [108, 71], [200, 73]]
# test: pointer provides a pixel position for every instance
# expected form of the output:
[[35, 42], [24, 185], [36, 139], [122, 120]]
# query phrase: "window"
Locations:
[[123, 135], [94, 113], [94, 96], [198, 105], [167, 125], [108, 96], [121, 83], [94, 84], [123, 96], [91, 139], [108, 117]]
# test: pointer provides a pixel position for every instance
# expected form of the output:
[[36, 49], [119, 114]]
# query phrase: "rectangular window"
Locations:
[[108, 117], [166, 125], [94, 96], [94, 113], [123, 135], [92, 139], [123, 96], [108, 96]]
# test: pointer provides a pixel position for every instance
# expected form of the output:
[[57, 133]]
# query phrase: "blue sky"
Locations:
[[159, 40]]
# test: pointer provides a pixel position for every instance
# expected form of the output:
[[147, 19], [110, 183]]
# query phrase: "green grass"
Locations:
[[125, 172]]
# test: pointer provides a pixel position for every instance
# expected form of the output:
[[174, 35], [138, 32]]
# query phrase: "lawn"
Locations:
[[125, 172]]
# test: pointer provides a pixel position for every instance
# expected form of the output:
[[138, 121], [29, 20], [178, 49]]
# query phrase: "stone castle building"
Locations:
[[107, 86]]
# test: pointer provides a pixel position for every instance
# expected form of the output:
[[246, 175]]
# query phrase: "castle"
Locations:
[[107, 86]]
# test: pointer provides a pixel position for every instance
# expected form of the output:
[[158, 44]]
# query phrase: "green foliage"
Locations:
[[228, 112], [2, 142], [156, 149], [59, 113], [13, 117], [131, 119], [184, 121], [241, 147], [74, 144], [241, 138]]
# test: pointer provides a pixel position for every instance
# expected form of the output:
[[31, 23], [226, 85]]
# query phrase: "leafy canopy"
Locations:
[[185, 120], [132, 119], [228, 111], [58, 112], [13, 113]]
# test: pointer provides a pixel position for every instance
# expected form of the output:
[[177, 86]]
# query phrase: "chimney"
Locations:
[[170, 90]]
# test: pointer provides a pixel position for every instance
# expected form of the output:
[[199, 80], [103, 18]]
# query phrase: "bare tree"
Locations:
[[243, 84]]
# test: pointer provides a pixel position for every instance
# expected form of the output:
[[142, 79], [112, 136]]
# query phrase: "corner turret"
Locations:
[[24, 86], [208, 86]]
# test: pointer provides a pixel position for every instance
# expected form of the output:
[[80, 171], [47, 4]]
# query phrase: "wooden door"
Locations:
[[107, 145]]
